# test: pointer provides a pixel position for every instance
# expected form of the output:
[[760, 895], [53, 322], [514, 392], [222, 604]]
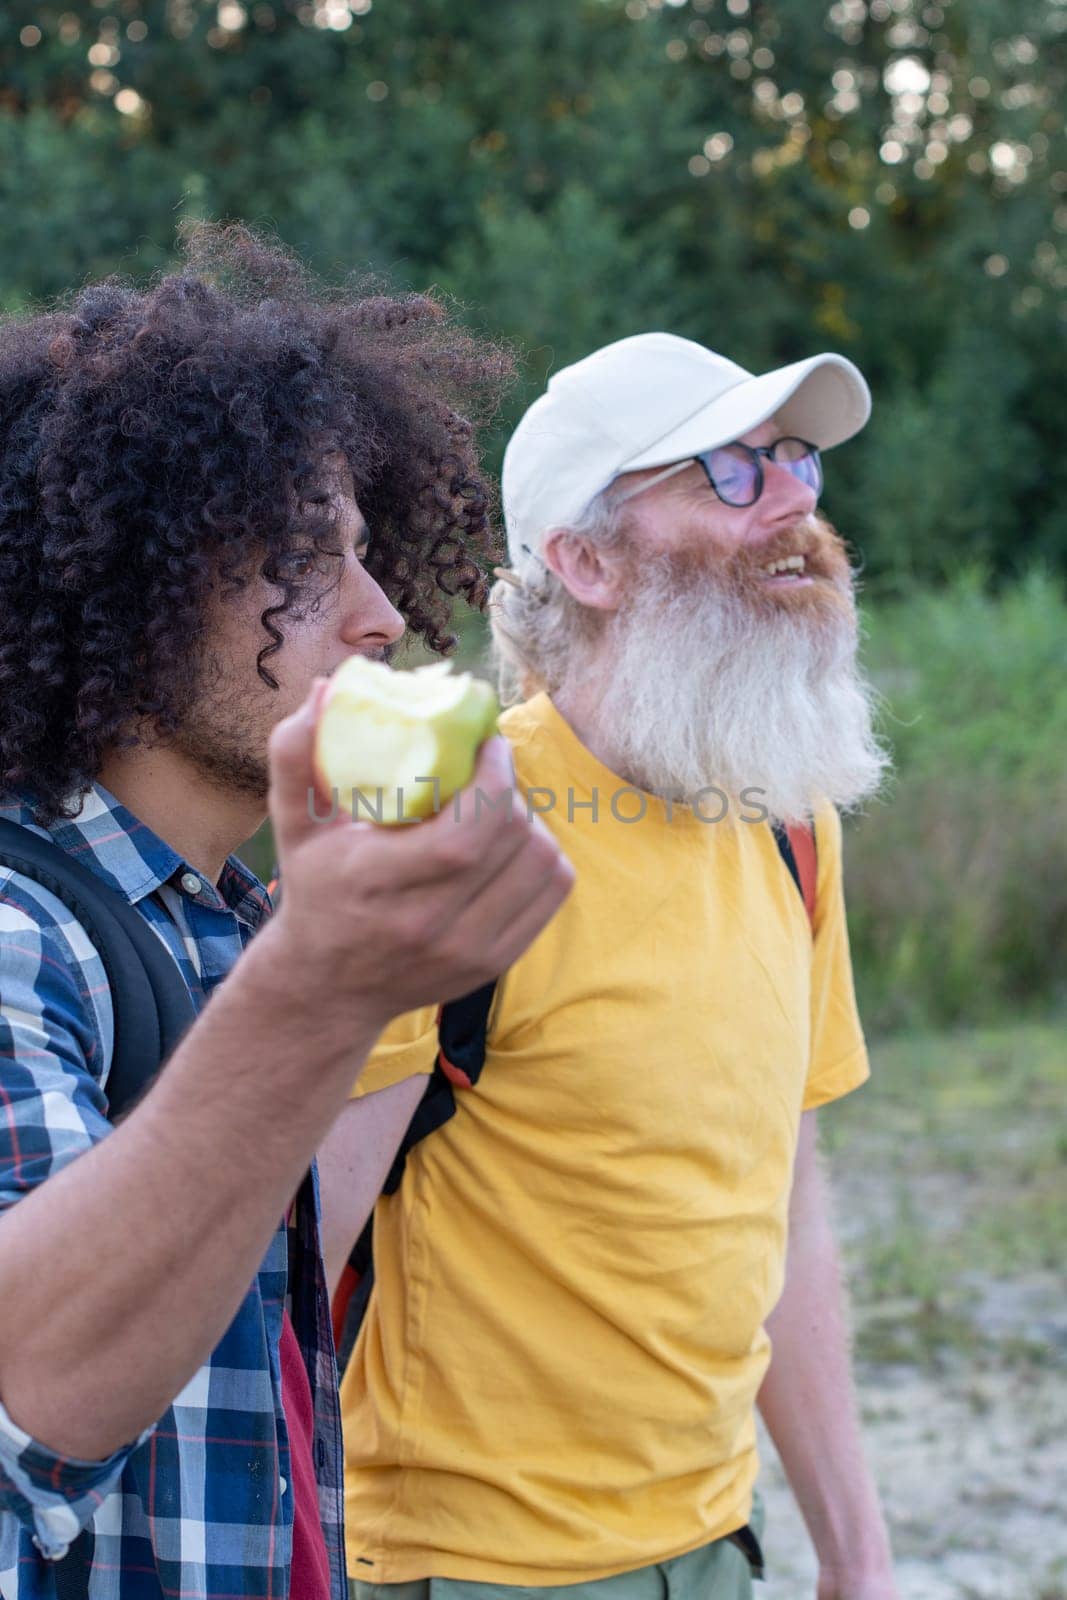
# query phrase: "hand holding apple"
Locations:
[[375, 921]]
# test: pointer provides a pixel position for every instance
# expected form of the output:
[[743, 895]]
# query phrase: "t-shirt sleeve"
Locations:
[[407, 1048], [838, 1052]]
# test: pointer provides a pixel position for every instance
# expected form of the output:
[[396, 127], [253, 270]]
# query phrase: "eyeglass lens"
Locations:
[[734, 468]]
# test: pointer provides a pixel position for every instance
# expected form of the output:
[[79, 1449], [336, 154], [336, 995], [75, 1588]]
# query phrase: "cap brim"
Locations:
[[824, 399]]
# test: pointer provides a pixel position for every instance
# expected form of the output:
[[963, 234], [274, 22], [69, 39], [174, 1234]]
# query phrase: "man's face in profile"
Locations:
[[226, 731]]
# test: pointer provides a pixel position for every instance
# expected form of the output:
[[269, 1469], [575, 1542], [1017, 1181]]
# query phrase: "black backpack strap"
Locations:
[[462, 1036], [72, 1573], [151, 1001], [462, 1039], [152, 1008]]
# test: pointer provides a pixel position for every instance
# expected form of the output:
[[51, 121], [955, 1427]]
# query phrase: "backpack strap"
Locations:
[[462, 1036], [72, 1573], [151, 1001], [152, 1008], [797, 848]]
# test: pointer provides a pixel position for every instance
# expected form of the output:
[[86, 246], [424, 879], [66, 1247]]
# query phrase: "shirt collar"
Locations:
[[111, 841]]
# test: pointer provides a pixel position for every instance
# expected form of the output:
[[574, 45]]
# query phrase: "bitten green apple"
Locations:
[[383, 737]]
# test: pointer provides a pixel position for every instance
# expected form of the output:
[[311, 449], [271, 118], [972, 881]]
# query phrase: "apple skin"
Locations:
[[379, 731]]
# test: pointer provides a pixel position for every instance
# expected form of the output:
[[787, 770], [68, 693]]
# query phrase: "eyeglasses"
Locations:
[[735, 471]]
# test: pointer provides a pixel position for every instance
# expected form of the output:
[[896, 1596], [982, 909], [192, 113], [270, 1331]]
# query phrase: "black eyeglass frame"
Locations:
[[755, 451]]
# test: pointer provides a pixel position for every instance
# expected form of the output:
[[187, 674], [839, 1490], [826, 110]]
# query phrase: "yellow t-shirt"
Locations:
[[557, 1373]]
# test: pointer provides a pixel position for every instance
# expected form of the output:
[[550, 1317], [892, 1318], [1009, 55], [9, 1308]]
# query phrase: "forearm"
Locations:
[[129, 1265], [808, 1403], [354, 1162]]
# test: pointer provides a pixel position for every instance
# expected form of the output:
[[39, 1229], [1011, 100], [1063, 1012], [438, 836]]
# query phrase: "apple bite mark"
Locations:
[[395, 746]]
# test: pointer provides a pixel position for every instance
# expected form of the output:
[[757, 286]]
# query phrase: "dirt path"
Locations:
[[971, 1461], [948, 1175]]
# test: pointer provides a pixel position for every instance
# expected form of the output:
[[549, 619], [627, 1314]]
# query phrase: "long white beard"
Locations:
[[704, 689]]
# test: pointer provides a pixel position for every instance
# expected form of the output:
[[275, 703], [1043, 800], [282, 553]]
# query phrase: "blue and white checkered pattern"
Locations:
[[201, 1506]]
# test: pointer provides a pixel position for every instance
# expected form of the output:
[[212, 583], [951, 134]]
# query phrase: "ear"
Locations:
[[594, 577]]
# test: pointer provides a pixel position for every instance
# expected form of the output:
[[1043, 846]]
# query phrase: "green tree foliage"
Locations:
[[887, 178]]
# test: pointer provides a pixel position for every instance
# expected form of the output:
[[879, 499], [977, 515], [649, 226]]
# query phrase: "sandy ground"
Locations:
[[971, 1459]]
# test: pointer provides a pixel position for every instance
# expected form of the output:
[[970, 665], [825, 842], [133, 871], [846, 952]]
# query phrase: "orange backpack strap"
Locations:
[[796, 846]]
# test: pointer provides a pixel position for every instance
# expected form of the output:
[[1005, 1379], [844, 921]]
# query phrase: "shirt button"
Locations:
[[191, 883], [282, 1485]]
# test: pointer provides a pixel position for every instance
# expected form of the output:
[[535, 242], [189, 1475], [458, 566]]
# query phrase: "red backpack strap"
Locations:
[[802, 838], [342, 1298], [796, 846]]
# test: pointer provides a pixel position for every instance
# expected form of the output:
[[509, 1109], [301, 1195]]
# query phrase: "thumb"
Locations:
[[298, 802]]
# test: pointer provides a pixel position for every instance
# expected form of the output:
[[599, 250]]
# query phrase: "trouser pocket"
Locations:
[[747, 1539]]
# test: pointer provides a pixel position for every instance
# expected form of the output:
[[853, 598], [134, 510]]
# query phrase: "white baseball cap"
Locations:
[[651, 400]]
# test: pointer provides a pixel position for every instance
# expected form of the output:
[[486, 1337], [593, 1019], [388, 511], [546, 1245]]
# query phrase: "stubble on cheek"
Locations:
[[225, 731]]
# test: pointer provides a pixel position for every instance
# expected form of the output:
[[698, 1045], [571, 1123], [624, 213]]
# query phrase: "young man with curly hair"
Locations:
[[212, 492]]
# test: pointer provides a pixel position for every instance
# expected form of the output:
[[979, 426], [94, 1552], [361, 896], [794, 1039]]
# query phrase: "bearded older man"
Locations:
[[578, 1280]]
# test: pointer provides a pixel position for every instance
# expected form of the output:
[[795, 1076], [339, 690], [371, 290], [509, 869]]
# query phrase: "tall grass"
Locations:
[[957, 879]]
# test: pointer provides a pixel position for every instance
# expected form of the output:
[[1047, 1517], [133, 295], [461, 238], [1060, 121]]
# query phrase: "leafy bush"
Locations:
[[957, 880]]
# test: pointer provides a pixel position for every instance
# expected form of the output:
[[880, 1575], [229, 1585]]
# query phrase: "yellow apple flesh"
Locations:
[[383, 737]]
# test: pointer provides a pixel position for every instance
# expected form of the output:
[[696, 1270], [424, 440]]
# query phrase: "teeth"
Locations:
[[786, 564]]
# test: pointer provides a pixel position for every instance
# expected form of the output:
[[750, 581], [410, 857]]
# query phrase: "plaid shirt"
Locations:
[[201, 1505]]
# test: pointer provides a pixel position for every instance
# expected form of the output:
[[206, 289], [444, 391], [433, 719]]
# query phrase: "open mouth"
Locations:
[[788, 570]]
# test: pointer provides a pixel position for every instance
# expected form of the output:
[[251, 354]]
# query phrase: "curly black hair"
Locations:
[[156, 441]]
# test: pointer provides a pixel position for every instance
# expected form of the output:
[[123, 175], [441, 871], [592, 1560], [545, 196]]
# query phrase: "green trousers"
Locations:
[[719, 1571]]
